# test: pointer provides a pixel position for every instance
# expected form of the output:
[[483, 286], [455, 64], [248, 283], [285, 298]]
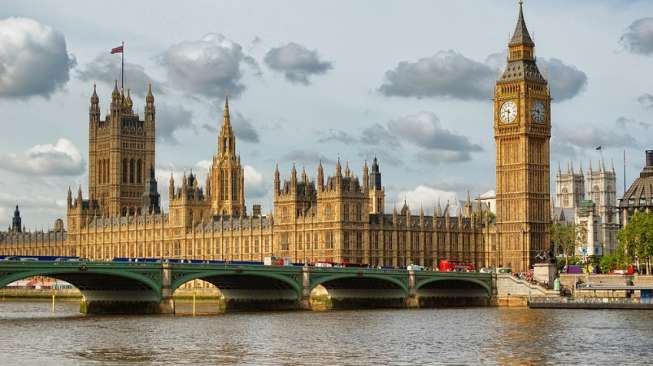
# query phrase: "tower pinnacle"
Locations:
[[521, 35]]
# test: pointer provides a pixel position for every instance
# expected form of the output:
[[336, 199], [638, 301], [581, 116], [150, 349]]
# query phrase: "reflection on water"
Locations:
[[30, 334]]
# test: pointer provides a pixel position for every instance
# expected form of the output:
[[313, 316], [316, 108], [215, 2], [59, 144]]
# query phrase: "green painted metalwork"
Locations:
[[322, 275], [147, 274], [291, 276], [151, 274], [484, 280]]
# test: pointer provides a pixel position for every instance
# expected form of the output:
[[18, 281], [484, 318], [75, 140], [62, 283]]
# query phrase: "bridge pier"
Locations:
[[305, 299], [412, 300], [167, 303]]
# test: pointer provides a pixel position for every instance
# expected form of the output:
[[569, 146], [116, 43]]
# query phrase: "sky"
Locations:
[[408, 82]]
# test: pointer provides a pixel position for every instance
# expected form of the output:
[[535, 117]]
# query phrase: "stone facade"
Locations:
[[589, 199], [522, 129], [335, 218], [120, 153]]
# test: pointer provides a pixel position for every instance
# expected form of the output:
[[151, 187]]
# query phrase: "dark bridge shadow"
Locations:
[[452, 293], [104, 293], [254, 292], [347, 292]]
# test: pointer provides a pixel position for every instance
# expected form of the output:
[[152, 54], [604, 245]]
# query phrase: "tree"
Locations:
[[636, 238], [565, 237]]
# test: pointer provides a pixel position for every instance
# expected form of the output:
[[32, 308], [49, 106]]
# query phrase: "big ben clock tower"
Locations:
[[522, 128]]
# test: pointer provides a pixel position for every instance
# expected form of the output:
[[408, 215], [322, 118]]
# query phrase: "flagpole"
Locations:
[[122, 67]]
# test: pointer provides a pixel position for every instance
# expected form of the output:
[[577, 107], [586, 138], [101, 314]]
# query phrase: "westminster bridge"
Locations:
[[133, 287]]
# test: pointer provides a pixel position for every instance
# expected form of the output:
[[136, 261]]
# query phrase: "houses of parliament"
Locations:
[[336, 216]]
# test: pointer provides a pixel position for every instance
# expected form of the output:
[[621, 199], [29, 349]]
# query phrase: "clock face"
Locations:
[[508, 112], [538, 111]]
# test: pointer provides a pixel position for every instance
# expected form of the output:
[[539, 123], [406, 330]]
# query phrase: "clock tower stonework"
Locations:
[[522, 129]]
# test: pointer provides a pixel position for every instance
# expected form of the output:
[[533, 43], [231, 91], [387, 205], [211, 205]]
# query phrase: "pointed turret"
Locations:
[[277, 180], [304, 176], [171, 187], [338, 168], [94, 98], [94, 110], [581, 168], [128, 101], [521, 37], [438, 209], [227, 141], [293, 177], [612, 165], [366, 177], [207, 185], [320, 176], [115, 99], [149, 104], [226, 114], [347, 171], [150, 97], [69, 199]]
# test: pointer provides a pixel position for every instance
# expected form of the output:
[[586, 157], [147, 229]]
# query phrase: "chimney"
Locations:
[[649, 158]]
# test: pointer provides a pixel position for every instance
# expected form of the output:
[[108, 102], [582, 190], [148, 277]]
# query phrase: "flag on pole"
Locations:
[[598, 147], [117, 49]]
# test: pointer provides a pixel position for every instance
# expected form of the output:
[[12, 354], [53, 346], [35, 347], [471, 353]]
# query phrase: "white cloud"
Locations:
[[62, 158], [255, 185], [171, 119], [566, 81], [210, 67], [445, 74], [426, 197], [449, 74], [106, 68], [639, 37], [296, 62], [33, 59]]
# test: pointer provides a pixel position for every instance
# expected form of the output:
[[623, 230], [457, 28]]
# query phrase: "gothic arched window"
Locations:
[[139, 171], [131, 171], [124, 170]]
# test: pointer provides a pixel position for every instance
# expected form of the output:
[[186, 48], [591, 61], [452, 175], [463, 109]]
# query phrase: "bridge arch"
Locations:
[[104, 291], [324, 281], [453, 281], [214, 277], [357, 290], [72, 276], [243, 289]]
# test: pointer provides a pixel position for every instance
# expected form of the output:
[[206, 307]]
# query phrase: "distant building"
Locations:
[[16, 222], [639, 197], [489, 201], [589, 199]]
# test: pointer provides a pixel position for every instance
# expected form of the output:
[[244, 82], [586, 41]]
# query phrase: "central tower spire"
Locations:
[[227, 141], [226, 176]]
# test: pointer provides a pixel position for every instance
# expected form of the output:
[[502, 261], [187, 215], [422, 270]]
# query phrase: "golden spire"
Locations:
[[227, 116]]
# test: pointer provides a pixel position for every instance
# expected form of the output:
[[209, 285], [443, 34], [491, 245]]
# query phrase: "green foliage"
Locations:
[[565, 237], [612, 261], [636, 238]]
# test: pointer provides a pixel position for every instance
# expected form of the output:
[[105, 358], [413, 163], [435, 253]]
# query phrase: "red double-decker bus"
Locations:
[[446, 265]]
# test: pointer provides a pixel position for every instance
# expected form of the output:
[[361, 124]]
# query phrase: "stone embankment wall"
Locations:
[[512, 291]]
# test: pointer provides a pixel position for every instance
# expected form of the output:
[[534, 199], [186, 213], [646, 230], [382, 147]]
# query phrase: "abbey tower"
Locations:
[[522, 129]]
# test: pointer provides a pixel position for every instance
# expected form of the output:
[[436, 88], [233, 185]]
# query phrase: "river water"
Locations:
[[31, 334]]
